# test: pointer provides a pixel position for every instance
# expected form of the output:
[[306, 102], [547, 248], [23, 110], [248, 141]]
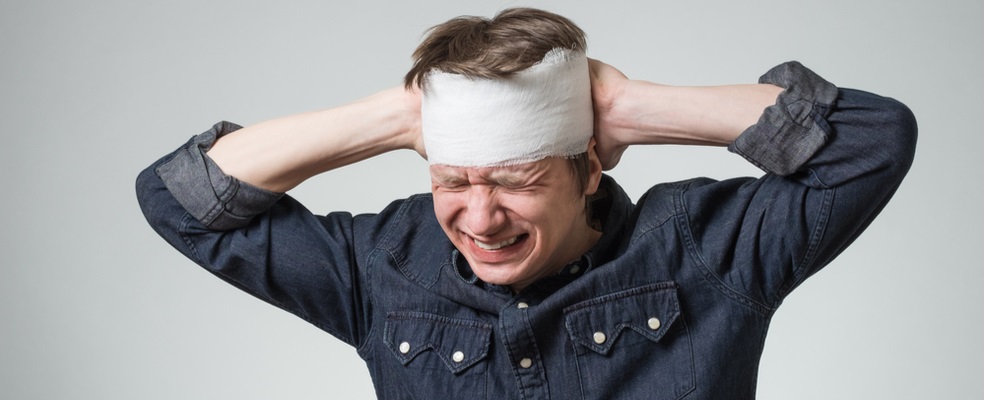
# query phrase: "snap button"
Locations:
[[526, 363], [458, 356], [599, 337], [404, 347], [653, 323], [522, 305]]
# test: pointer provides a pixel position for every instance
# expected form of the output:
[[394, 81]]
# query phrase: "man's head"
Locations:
[[514, 221]]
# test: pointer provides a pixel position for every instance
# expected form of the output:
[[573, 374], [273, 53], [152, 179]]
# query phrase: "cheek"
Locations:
[[538, 210], [446, 207], [560, 217]]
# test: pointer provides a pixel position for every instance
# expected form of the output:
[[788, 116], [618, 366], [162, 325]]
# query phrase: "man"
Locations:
[[527, 273]]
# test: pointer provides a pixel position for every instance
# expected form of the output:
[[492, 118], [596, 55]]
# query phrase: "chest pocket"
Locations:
[[632, 344], [435, 355]]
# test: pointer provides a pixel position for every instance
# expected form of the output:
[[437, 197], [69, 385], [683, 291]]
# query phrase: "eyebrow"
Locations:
[[508, 180], [445, 177]]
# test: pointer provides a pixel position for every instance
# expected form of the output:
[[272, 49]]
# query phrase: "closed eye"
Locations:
[[522, 189]]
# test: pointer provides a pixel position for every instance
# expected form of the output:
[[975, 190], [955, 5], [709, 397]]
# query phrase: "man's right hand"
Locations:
[[412, 110]]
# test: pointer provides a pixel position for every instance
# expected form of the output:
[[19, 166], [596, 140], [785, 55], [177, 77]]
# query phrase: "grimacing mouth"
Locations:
[[499, 245]]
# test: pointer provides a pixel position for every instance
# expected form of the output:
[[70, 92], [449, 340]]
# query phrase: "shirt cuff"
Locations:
[[792, 130], [217, 200]]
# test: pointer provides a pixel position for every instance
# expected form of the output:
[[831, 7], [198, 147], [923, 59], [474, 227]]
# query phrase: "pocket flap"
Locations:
[[458, 343], [598, 323]]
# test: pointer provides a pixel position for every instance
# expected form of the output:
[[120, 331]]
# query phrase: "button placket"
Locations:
[[523, 352]]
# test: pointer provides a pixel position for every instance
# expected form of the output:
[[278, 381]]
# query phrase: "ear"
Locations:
[[594, 169]]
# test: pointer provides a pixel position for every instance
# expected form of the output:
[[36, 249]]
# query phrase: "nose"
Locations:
[[485, 216]]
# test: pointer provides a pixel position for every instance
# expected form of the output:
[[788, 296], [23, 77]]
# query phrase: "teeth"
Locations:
[[496, 246]]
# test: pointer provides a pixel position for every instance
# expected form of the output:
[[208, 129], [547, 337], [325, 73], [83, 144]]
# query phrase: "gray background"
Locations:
[[95, 306]]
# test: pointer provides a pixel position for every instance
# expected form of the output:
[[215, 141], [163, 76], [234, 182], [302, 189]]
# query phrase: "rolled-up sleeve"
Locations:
[[217, 200], [792, 130]]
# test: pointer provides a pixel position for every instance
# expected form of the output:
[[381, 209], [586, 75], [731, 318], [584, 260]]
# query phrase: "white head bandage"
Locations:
[[543, 111]]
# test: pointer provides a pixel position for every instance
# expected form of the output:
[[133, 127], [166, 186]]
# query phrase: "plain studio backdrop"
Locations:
[[95, 306]]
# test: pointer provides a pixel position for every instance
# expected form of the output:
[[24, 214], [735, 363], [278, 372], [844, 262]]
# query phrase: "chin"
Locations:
[[501, 275], [497, 275]]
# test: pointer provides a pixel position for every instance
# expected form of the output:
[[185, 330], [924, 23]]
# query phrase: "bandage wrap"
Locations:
[[543, 111]]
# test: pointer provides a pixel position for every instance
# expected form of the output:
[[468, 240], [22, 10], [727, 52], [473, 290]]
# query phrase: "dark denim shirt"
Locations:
[[673, 302]]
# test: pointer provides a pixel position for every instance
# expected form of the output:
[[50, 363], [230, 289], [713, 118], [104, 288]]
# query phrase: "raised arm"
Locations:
[[218, 200], [630, 112], [833, 158], [279, 154]]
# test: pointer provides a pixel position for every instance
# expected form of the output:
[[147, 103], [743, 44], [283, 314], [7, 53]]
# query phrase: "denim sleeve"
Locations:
[[792, 130], [215, 199], [833, 158], [266, 244]]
